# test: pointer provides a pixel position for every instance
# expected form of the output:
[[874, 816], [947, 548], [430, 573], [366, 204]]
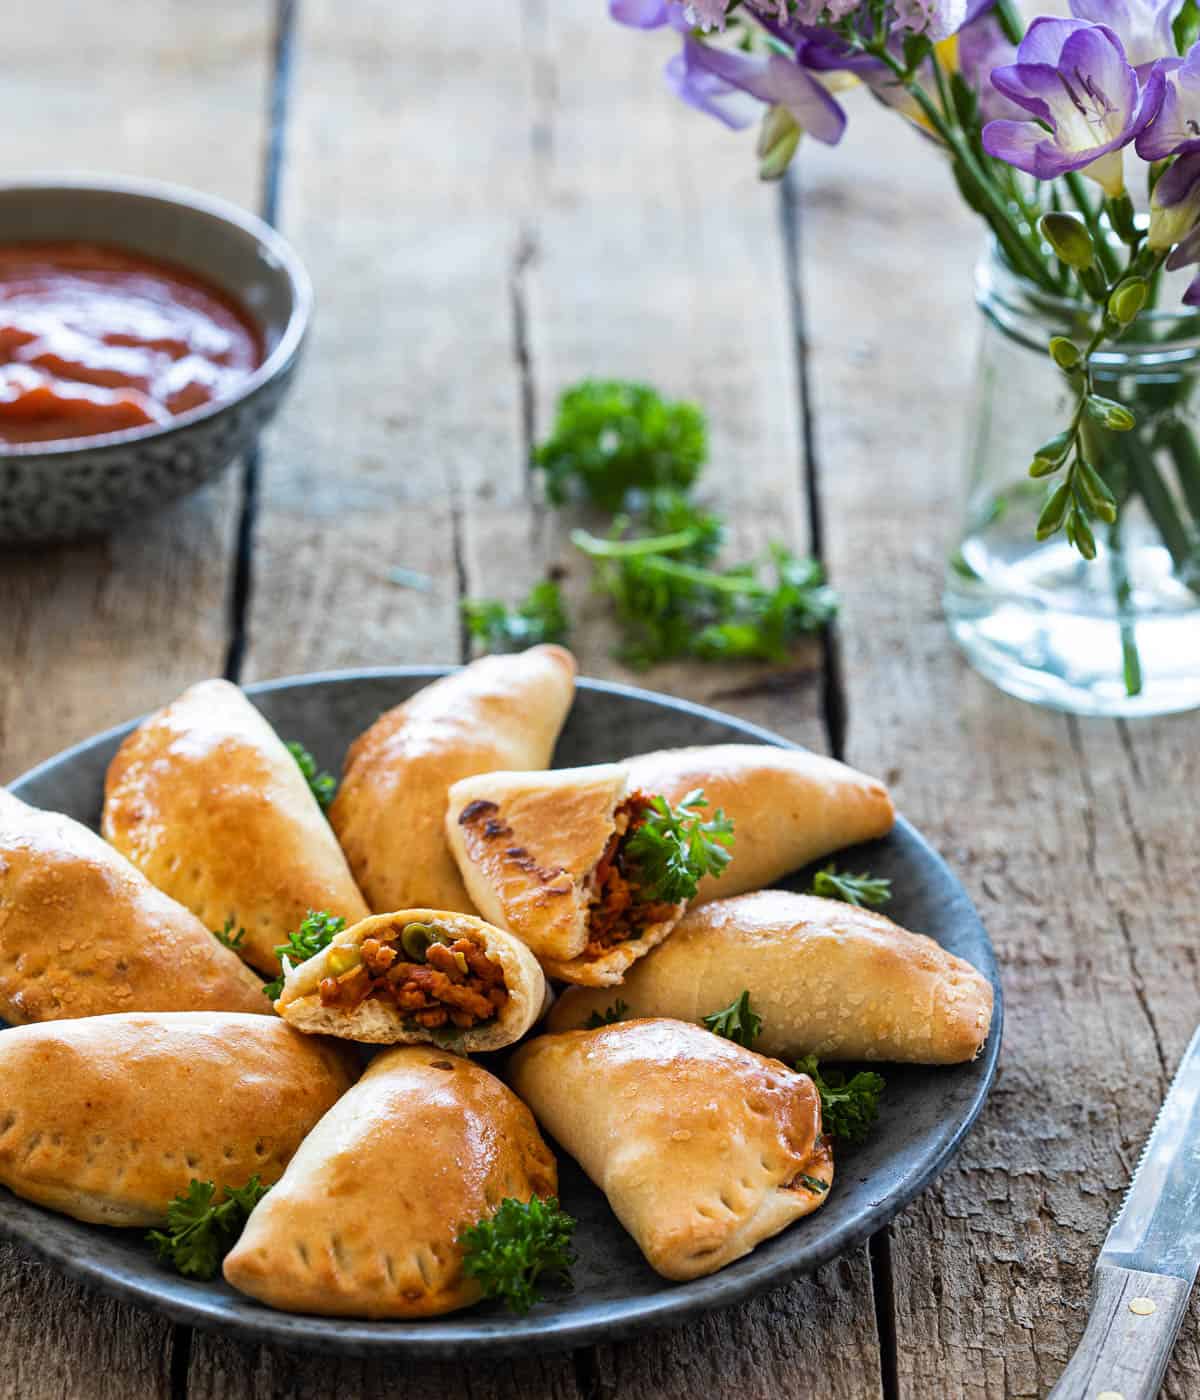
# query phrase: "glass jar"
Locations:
[[1119, 635]]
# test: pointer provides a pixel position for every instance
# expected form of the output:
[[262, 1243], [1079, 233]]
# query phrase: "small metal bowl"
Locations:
[[85, 486]]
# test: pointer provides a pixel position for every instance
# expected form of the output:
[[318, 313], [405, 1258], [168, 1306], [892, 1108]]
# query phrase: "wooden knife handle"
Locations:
[[1131, 1330]]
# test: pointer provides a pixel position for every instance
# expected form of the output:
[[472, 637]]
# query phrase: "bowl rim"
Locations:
[[140, 188]]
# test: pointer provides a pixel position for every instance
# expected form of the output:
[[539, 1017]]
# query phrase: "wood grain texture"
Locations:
[[91, 634], [1067, 833]]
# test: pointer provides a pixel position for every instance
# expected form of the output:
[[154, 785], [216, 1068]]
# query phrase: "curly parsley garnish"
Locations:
[[321, 785], [613, 436], [608, 1017], [314, 934], [228, 937], [736, 1022], [674, 848], [859, 890], [542, 617], [849, 1107], [199, 1234], [523, 1241]]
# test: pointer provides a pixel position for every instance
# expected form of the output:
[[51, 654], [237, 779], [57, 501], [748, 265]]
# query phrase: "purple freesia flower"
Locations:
[[640, 14], [936, 19], [1188, 252], [1175, 208], [1175, 129], [707, 77], [1083, 99], [982, 46], [1143, 26]]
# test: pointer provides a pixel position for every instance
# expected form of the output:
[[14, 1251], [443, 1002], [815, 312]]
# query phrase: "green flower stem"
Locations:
[[1131, 661], [1091, 217], [1148, 482], [1179, 440]]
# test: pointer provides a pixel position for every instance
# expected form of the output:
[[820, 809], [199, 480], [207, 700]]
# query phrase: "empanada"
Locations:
[[788, 806], [108, 1118], [827, 979], [83, 932], [418, 976], [366, 1220], [703, 1149], [541, 856], [499, 712], [207, 802]]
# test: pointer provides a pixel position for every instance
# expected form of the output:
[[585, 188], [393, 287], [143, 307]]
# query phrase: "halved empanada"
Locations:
[[703, 1149], [827, 979], [207, 802], [541, 856], [366, 1219], [83, 932], [499, 712], [788, 806], [418, 976], [108, 1118]]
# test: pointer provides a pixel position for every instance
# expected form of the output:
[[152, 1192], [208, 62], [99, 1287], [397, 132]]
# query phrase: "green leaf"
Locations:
[[200, 1233], [608, 1017], [227, 936], [736, 1022], [321, 785], [1186, 26], [849, 1107], [523, 1242], [541, 617], [614, 436], [860, 890], [313, 936], [673, 848]]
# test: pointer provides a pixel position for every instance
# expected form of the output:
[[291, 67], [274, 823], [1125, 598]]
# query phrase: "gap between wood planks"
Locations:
[[834, 701]]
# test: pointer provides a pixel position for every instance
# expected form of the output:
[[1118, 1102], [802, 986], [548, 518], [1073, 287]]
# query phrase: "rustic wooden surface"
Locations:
[[486, 222]]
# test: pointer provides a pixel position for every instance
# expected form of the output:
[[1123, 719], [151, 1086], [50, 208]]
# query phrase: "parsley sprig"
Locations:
[[737, 1022], [321, 785], [523, 1242], [542, 617], [613, 436], [200, 1233], [227, 937], [860, 890], [674, 848], [849, 1107], [608, 1017], [314, 934]]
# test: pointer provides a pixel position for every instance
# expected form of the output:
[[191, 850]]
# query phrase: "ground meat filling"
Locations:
[[457, 984], [618, 913]]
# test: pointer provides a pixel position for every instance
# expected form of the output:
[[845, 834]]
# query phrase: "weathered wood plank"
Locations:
[[471, 239], [93, 633], [1069, 835]]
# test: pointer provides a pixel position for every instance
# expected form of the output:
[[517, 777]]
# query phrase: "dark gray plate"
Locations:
[[926, 1111]]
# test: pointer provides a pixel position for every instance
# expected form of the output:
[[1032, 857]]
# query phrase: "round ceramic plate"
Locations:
[[926, 1112]]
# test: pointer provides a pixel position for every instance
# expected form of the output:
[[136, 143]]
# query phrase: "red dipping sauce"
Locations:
[[98, 340]]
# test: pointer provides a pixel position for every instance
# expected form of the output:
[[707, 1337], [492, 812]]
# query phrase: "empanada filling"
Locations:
[[434, 978], [618, 912]]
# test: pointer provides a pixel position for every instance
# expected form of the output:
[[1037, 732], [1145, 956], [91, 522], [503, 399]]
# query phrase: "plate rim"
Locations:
[[450, 1335]]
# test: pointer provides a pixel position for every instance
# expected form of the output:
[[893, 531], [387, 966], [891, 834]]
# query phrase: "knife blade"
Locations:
[[1149, 1261]]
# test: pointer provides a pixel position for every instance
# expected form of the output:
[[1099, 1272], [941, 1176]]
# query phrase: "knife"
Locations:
[[1148, 1264]]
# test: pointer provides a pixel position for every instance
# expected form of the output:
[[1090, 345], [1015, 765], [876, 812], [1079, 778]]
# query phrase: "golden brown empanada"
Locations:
[[540, 855], [83, 932], [827, 979], [499, 712], [788, 806], [110, 1117], [207, 802], [703, 1149], [366, 1220], [420, 976]]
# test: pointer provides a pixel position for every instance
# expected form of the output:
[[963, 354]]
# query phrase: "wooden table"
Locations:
[[495, 199]]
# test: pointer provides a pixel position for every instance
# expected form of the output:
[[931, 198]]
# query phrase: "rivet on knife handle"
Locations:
[[1131, 1329]]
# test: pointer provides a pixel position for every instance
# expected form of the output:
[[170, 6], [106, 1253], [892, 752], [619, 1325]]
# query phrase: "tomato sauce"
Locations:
[[96, 340]]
